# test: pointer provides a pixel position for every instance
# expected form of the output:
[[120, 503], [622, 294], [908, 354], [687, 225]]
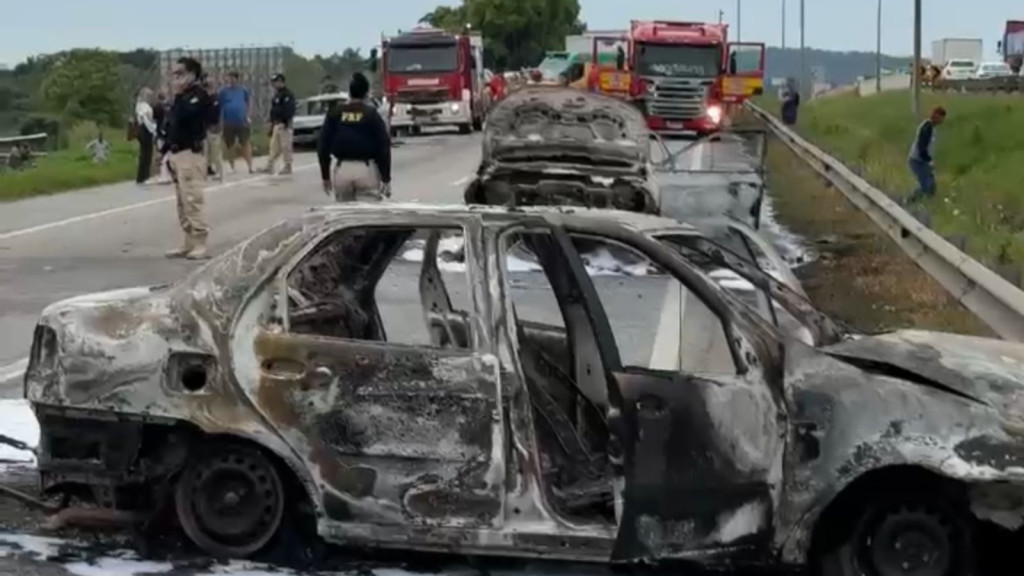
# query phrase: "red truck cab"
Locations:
[[686, 76], [434, 78]]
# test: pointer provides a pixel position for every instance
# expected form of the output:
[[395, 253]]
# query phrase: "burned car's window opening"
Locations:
[[562, 372], [727, 279], [679, 61], [657, 322], [438, 58], [366, 284]]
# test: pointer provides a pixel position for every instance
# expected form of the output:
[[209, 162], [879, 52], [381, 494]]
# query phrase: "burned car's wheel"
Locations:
[[230, 500], [915, 537]]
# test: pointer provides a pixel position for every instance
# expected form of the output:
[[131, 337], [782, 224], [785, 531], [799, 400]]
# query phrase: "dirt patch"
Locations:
[[861, 277]]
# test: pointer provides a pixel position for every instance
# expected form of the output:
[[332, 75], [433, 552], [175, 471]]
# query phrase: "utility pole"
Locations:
[[878, 51], [804, 92], [721, 16], [916, 89], [783, 24], [739, 20]]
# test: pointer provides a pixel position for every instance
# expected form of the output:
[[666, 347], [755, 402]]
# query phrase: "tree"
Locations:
[[85, 85], [450, 18], [516, 32]]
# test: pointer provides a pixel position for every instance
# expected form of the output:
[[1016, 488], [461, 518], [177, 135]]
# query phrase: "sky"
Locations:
[[327, 26]]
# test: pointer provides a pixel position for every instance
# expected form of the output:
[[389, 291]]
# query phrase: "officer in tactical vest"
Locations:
[[356, 136], [186, 134]]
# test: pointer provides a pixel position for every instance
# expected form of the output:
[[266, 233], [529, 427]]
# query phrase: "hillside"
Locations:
[[840, 67]]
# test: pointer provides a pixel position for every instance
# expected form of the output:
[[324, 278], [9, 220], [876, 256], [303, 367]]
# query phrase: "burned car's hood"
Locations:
[[983, 369], [543, 120]]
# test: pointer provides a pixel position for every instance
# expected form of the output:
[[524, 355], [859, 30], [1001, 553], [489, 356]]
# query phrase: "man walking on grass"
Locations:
[[921, 162], [282, 112], [236, 122]]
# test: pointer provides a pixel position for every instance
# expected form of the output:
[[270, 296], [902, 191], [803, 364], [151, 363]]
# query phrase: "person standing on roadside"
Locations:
[[186, 134], [146, 122], [357, 137], [236, 120], [282, 112], [790, 103], [160, 116], [214, 149], [921, 161]]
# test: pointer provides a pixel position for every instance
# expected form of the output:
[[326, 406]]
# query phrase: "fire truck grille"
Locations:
[[678, 98], [421, 96]]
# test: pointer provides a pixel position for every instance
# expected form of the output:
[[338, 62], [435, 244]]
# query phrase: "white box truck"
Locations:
[[947, 49]]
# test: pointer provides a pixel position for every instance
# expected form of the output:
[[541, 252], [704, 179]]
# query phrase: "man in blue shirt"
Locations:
[[234, 102], [921, 155]]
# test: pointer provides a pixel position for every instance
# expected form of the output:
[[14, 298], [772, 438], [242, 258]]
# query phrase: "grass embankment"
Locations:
[[979, 160], [860, 277], [73, 168]]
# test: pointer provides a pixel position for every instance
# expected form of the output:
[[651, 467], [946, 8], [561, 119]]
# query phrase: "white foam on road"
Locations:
[[79, 560], [19, 422]]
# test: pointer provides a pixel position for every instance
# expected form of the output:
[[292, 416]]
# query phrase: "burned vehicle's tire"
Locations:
[[230, 500], [903, 534]]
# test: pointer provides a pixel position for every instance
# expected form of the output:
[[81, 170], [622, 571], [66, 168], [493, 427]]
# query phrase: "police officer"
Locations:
[[356, 136], [282, 112], [186, 133]]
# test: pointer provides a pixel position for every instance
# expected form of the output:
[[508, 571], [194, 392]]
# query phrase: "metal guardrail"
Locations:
[[989, 296], [994, 85]]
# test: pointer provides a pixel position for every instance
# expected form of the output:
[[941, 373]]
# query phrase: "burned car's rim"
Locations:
[[230, 500], [900, 540]]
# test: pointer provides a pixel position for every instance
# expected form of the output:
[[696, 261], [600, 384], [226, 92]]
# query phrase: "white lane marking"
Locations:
[[462, 181], [665, 352], [129, 207], [13, 370], [697, 158]]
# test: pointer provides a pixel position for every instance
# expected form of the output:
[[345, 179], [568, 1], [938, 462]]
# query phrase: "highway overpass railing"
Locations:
[[997, 302]]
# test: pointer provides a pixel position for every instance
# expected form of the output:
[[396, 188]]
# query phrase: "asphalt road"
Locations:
[[114, 236]]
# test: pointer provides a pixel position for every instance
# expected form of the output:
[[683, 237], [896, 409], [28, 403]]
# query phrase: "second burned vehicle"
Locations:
[[462, 379], [555, 146], [559, 146]]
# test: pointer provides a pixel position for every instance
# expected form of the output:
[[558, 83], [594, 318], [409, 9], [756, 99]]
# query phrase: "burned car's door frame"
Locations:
[[686, 472], [400, 439]]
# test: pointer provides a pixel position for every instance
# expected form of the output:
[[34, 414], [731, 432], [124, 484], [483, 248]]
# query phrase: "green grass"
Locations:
[[72, 168], [979, 159]]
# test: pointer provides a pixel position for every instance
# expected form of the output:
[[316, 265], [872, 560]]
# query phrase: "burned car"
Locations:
[[462, 380], [559, 146]]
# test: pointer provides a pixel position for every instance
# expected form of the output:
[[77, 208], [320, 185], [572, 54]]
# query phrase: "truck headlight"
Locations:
[[715, 113], [455, 108]]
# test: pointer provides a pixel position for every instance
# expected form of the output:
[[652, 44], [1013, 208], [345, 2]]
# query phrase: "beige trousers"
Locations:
[[280, 145], [189, 175], [215, 152], [356, 181]]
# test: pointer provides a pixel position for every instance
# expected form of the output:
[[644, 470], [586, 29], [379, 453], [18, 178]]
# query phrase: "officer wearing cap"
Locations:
[[282, 112], [356, 136], [186, 133]]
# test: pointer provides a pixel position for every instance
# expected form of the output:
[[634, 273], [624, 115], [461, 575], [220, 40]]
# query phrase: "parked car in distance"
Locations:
[[309, 118], [959, 69], [993, 70]]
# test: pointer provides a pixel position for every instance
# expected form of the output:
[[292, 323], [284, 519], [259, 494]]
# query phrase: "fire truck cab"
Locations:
[[687, 76], [434, 78]]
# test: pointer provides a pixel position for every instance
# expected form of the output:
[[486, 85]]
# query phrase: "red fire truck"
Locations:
[[434, 78], [687, 76]]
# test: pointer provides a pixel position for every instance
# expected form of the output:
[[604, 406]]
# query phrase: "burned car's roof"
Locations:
[[559, 120]]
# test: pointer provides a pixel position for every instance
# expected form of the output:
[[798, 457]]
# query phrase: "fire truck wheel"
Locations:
[[478, 124]]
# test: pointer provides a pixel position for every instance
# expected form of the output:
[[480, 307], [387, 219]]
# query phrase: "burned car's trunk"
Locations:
[[558, 146]]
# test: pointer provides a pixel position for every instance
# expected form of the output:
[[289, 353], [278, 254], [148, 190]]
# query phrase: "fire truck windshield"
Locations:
[[442, 58], [679, 60]]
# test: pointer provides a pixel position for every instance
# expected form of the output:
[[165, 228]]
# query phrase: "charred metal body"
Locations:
[[269, 376], [559, 146]]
